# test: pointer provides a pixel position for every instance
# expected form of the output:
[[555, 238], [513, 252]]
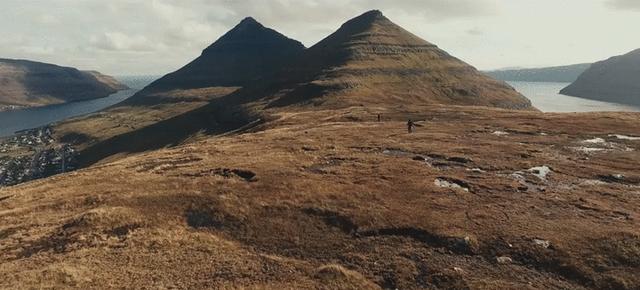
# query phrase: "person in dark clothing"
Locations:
[[410, 126], [379, 118]]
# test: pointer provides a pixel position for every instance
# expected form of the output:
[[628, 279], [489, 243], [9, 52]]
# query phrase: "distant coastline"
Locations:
[[556, 74]]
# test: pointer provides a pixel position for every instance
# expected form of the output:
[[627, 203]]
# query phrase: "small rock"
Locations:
[[542, 243], [504, 260], [458, 270]]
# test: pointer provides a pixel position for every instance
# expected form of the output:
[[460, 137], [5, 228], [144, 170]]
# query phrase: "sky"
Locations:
[[154, 37]]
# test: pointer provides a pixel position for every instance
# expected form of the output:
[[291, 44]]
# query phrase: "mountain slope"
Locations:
[[372, 61], [27, 83], [559, 74], [614, 80], [369, 61], [243, 55], [336, 200]]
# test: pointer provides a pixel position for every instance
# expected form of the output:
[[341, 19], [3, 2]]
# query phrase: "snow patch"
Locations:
[[540, 171], [589, 149], [447, 184], [595, 141], [500, 133], [593, 182], [624, 137]]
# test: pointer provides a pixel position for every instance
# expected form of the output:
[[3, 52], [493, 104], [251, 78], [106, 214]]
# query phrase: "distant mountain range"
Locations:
[[558, 74], [616, 79], [29, 84]]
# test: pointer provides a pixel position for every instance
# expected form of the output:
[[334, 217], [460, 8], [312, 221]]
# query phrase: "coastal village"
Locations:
[[33, 154]]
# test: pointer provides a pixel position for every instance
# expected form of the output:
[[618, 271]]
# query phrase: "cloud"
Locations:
[[118, 41], [624, 4], [111, 35], [475, 32]]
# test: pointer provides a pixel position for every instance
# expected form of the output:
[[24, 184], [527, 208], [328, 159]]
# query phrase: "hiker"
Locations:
[[410, 126], [379, 118]]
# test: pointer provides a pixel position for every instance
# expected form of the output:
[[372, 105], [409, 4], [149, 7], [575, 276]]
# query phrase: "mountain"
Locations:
[[292, 182], [616, 79], [26, 83], [370, 60], [241, 56], [246, 54], [558, 74]]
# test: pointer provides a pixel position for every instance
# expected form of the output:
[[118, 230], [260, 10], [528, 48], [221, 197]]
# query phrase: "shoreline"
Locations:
[[14, 108]]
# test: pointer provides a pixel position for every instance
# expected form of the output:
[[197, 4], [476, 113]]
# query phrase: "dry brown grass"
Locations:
[[329, 207]]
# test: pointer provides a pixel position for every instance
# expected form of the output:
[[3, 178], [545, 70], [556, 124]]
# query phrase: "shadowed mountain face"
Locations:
[[243, 55], [614, 80], [370, 60], [27, 83]]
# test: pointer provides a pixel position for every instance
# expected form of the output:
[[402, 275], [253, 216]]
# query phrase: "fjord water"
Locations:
[[18, 120], [546, 97]]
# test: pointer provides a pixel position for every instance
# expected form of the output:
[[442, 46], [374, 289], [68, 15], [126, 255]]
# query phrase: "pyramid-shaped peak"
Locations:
[[371, 60], [366, 20], [250, 33], [249, 22], [247, 25], [247, 52], [371, 15], [371, 28]]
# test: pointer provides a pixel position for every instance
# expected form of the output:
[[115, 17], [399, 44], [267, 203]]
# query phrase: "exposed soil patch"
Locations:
[[245, 175], [167, 164], [464, 245], [333, 219], [230, 173]]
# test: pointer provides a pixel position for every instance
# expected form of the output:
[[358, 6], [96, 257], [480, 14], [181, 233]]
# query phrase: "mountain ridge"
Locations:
[[27, 83], [616, 80], [559, 74]]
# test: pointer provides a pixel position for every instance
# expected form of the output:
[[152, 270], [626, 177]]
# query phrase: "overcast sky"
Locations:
[[125, 37]]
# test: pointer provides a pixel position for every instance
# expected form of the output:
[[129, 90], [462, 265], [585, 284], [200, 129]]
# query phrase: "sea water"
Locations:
[[18, 120], [544, 96], [547, 98]]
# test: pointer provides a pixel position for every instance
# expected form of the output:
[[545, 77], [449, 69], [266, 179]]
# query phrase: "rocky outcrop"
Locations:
[[614, 80], [28, 84]]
